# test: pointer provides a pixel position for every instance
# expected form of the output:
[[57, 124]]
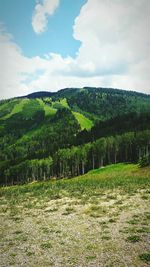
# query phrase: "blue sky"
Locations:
[[54, 44], [17, 14]]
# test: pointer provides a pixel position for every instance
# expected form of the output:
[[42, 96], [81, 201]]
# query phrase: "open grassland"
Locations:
[[17, 108], [99, 219], [61, 103], [84, 122], [49, 111], [6, 108]]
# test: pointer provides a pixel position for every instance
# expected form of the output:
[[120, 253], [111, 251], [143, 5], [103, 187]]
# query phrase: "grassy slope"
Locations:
[[62, 103], [7, 107], [49, 111], [92, 220], [84, 122], [127, 176], [17, 108]]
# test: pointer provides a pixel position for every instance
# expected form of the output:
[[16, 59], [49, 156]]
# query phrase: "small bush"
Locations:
[[145, 257], [133, 238]]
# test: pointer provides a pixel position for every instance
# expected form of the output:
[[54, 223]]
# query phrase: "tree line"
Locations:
[[132, 121], [77, 160]]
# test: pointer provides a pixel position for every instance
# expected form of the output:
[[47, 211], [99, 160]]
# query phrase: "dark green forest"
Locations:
[[67, 133]]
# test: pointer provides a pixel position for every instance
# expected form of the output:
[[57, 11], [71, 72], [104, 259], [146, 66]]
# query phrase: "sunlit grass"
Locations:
[[49, 111], [84, 122], [127, 177]]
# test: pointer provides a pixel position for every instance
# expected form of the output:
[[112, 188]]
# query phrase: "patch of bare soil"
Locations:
[[106, 231]]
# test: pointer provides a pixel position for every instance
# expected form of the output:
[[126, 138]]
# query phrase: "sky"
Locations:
[[47, 45]]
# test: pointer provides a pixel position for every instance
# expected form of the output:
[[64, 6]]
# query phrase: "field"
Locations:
[[84, 122], [100, 219], [49, 111]]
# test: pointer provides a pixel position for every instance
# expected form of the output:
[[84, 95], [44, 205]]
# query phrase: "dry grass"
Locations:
[[91, 227]]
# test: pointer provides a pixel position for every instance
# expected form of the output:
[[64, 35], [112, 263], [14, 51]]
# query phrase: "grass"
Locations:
[[7, 108], [46, 245], [18, 107], [78, 221], [95, 211], [133, 221], [49, 111], [60, 104], [106, 237], [25, 106], [29, 253], [30, 108], [84, 122], [64, 102], [91, 257], [111, 220], [133, 238], [127, 177], [68, 211], [51, 210]]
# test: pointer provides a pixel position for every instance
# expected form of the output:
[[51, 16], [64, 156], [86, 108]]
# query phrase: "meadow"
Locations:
[[99, 219]]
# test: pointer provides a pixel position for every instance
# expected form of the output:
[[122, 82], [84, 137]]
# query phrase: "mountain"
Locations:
[[36, 127], [99, 103]]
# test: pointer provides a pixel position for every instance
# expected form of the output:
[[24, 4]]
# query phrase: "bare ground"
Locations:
[[109, 229]]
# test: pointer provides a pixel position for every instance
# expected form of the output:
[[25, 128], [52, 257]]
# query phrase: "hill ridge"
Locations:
[[100, 89]]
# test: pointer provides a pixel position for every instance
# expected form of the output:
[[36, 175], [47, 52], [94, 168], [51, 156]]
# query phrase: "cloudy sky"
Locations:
[[53, 44]]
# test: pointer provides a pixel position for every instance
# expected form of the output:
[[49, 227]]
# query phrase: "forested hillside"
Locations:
[[69, 132], [100, 103]]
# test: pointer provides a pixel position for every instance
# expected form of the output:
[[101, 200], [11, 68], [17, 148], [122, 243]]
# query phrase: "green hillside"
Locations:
[[49, 111], [18, 107], [6, 107], [69, 132], [105, 102], [102, 103], [84, 122]]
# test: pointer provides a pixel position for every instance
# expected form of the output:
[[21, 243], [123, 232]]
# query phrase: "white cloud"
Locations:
[[43, 10], [15, 68], [114, 52], [114, 34]]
